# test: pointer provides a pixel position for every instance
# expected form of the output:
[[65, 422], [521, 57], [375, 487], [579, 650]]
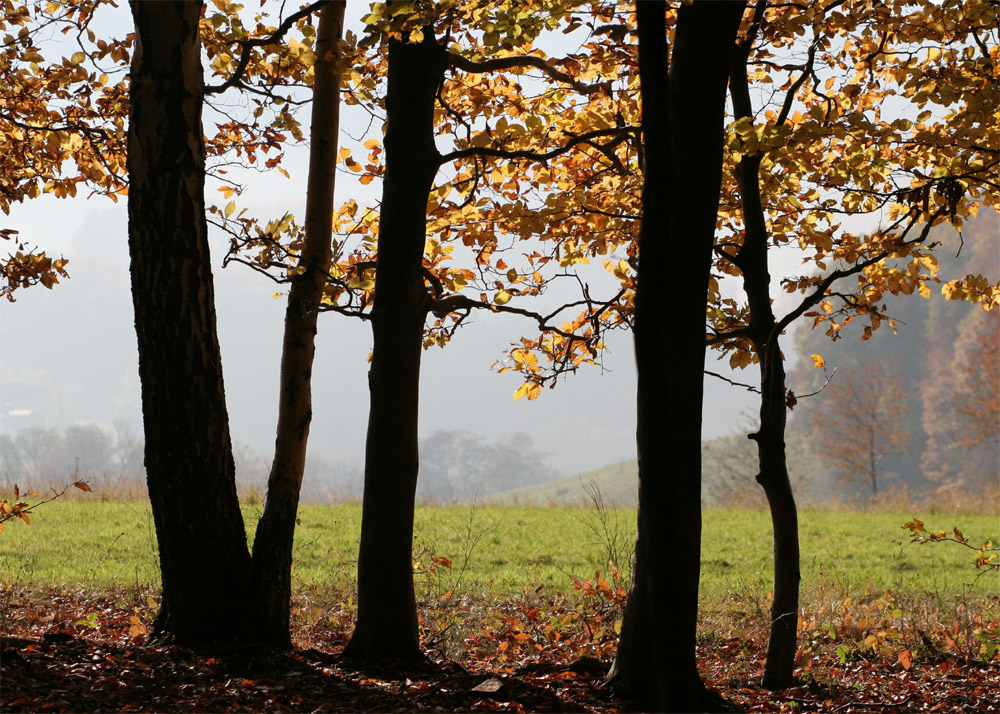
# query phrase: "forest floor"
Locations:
[[78, 651]]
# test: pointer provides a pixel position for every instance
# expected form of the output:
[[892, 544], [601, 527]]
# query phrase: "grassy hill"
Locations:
[[617, 484]]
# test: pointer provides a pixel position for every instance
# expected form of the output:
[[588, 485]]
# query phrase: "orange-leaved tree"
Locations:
[[407, 275], [859, 425], [221, 595], [813, 146], [62, 122]]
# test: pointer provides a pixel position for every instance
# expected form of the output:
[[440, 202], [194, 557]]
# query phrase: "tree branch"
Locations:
[[533, 155], [525, 61], [246, 45]]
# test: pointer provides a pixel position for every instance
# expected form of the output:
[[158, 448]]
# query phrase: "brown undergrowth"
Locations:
[[72, 650]]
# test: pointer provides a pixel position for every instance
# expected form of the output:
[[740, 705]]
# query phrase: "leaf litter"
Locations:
[[87, 652]]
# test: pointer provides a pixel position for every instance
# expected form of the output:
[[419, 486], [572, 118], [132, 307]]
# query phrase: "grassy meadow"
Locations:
[[508, 549]]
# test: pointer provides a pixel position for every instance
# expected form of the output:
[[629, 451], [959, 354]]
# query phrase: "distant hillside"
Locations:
[[617, 484], [729, 465]]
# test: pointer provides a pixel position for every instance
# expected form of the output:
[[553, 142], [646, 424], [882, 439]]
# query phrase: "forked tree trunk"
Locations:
[[204, 559], [272, 552], [682, 121], [387, 613]]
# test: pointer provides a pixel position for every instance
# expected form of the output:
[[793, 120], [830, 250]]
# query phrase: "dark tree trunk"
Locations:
[[272, 552], [770, 438], [387, 613], [189, 464], [683, 123], [773, 477]]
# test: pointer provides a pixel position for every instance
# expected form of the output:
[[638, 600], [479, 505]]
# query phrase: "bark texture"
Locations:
[[204, 559], [387, 613], [272, 552], [683, 120]]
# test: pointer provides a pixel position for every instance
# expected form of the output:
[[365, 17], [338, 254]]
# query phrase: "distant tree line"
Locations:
[[41, 454], [454, 465], [914, 411]]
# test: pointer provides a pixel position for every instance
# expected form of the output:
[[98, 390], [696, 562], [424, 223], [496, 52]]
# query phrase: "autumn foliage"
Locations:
[[856, 131]]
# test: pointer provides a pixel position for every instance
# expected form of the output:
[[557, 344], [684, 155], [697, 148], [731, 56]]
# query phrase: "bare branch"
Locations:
[[525, 61], [748, 387], [575, 140]]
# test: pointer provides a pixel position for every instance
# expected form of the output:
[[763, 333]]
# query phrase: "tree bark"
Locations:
[[683, 123], [752, 261], [204, 559], [387, 613], [272, 551]]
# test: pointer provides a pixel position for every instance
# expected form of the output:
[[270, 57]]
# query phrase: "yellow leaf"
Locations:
[[356, 283], [230, 208], [521, 391], [502, 297], [371, 144], [818, 361]]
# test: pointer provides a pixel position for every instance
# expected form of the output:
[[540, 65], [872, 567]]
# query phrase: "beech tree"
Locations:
[[272, 548], [387, 617], [213, 595], [859, 424], [778, 195], [204, 561], [683, 112]]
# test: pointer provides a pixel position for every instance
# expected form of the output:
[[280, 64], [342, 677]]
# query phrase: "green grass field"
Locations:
[[508, 549]]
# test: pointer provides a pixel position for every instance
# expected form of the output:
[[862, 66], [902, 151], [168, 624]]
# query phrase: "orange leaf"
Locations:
[[82, 485], [905, 658]]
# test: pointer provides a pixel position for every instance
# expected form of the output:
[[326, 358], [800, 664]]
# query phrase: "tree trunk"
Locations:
[[752, 260], [683, 122], [773, 477], [272, 551], [204, 560], [387, 613]]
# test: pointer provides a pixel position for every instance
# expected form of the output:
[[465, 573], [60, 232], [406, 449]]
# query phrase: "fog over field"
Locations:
[[69, 356]]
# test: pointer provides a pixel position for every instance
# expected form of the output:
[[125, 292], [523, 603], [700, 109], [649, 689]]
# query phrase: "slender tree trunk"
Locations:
[[683, 122], [387, 612], [272, 552], [204, 560], [872, 462], [752, 260], [773, 477]]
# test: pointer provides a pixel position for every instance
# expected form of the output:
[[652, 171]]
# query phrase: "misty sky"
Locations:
[[68, 355]]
